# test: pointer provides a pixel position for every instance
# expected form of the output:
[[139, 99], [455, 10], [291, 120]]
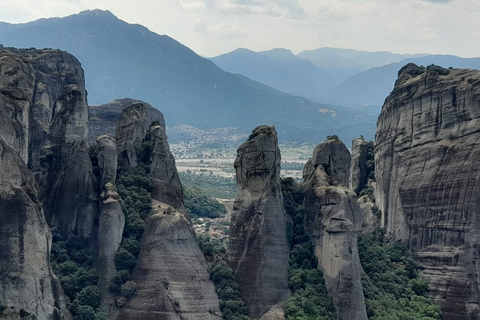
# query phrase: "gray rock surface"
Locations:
[[103, 119], [333, 157], [358, 169], [110, 229], [258, 249], [106, 149], [370, 217], [333, 220], [428, 177], [131, 129], [68, 191], [30, 82], [26, 280], [171, 273], [165, 180]]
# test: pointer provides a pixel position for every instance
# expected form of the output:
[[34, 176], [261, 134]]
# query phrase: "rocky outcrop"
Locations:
[[358, 169], [172, 281], [130, 132], [103, 119], [428, 177], [26, 280], [106, 151], [171, 272], [334, 159], [258, 249], [370, 215], [333, 220], [165, 180], [110, 229], [68, 191], [30, 83]]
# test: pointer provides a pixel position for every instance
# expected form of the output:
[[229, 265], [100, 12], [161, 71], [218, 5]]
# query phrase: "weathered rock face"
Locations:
[[370, 215], [68, 191], [30, 83], [130, 132], [171, 275], [26, 280], [358, 169], [171, 272], [103, 119], [428, 176], [165, 180], [106, 149], [258, 249], [110, 229], [333, 219], [334, 159]]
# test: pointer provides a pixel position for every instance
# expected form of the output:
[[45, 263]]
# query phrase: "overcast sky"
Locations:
[[212, 27]]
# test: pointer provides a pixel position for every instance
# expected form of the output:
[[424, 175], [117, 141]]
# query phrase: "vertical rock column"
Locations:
[[26, 280], [258, 249], [427, 164], [171, 273], [333, 219], [112, 219], [68, 192]]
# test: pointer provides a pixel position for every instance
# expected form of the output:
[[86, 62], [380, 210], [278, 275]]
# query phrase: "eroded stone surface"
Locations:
[[26, 280], [428, 168], [333, 220], [258, 249]]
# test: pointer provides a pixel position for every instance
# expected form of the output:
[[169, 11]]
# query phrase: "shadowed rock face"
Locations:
[[68, 191], [333, 219], [165, 180], [103, 119], [171, 273], [26, 280], [258, 249], [358, 169], [428, 175], [130, 132], [30, 83]]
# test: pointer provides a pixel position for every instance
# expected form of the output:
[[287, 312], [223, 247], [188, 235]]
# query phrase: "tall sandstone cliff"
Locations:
[[333, 220], [258, 249], [428, 177], [26, 279], [171, 273]]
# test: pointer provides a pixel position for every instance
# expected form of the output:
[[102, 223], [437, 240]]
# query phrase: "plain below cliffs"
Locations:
[[333, 220], [428, 177], [171, 273], [258, 249]]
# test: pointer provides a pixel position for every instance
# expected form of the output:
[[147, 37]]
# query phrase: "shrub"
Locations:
[[89, 296], [124, 260], [85, 313]]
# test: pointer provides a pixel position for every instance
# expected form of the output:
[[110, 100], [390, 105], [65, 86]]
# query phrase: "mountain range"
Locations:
[[125, 60]]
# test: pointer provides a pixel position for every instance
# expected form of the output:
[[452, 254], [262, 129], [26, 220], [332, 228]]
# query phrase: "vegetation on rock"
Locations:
[[134, 188], [73, 264], [199, 204], [226, 286], [310, 299], [392, 288]]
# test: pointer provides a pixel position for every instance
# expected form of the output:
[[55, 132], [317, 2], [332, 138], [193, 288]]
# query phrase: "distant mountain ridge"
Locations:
[[125, 60]]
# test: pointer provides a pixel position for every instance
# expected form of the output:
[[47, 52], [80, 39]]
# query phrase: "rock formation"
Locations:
[[165, 180], [130, 132], [428, 177], [333, 219], [106, 150], [171, 276], [258, 249], [358, 170], [30, 83], [26, 280], [68, 191], [103, 119]]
